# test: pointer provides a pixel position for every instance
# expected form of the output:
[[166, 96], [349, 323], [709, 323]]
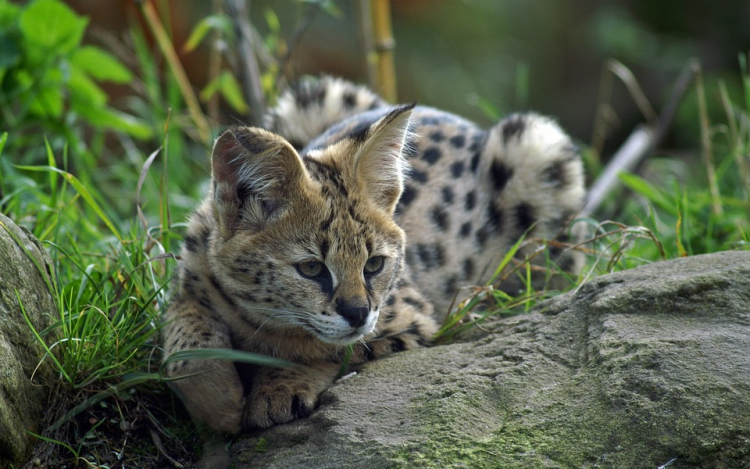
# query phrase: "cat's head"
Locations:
[[309, 242]]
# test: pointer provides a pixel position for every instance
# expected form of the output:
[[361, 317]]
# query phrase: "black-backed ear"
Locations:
[[380, 163], [254, 173]]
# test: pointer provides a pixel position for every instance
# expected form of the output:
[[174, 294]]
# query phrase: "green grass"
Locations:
[[108, 215]]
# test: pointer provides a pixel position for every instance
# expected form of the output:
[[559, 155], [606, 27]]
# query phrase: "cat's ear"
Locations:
[[380, 162], [254, 174]]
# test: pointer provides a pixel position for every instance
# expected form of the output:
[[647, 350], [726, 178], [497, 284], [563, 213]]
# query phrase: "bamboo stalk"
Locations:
[[384, 46], [364, 20], [165, 44]]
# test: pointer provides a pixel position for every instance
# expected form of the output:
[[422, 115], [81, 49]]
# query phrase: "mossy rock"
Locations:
[[23, 266], [633, 370]]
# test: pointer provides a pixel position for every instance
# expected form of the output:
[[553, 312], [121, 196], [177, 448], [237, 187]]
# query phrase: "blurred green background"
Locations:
[[479, 57]]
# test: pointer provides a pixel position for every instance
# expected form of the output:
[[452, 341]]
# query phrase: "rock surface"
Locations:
[[632, 371], [21, 400]]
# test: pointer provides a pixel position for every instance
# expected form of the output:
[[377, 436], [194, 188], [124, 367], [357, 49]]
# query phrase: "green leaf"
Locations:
[[105, 117], [50, 25], [653, 194], [228, 354], [227, 85], [100, 65], [207, 24], [83, 91], [82, 191], [48, 98], [10, 54], [8, 14]]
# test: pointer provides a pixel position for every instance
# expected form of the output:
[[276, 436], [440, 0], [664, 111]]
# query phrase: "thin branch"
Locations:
[[310, 13], [249, 69], [641, 142], [626, 159]]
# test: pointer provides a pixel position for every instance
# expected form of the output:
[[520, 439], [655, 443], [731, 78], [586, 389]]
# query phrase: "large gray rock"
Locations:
[[633, 370], [21, 401]]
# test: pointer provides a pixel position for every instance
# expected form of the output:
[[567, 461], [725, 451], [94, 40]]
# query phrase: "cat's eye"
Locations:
[[311, 269], [374, 265]]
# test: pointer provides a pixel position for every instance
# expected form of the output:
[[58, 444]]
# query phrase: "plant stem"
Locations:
[[165, 44], [706, 146], [384, 45], [249, 69]]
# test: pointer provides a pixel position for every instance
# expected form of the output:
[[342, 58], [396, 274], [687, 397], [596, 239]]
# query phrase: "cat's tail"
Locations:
[[314, 104], [537, 175]]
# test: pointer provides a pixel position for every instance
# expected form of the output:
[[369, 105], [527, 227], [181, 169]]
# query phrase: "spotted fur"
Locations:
[[349, 221]]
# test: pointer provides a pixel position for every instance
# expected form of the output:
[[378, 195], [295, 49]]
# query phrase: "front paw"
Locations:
[[277, 402]]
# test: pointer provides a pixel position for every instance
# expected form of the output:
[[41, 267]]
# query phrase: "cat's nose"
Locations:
[[354, 313]]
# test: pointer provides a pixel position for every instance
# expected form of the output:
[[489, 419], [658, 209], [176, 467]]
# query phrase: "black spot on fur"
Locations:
[[451, 285], [408, 196], [474, 164], [555, 174], [465, 230], [471, 200], [476, 142], [468, 268], [419, 176], [513, 126], [447, 195], [457, 169], [414, 302], [398, 344], [431, 155], [482, 234], [309, 93], [501, 174], [215, 283], [458, 141], [325, 173], [350, 99], [191, 243], [494, 216], [206, 303], [524, 216], [248, 297], [390, 316], [438, 255], [431, 256], [390, 301], [437, 136], [440, 218]]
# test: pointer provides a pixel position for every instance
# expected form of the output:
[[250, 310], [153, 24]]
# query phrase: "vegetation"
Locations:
[[105, 189]]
